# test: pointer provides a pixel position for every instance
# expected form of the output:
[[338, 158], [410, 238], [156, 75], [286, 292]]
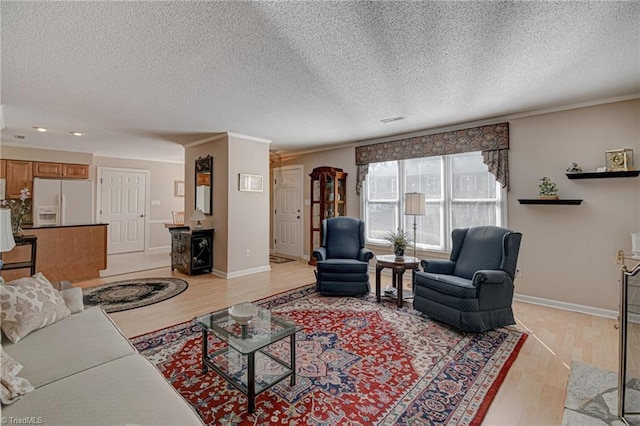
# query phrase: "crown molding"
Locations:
[[206, 140], [247, 137]]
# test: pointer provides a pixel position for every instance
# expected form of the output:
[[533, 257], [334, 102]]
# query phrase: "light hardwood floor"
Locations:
[[533, 392]]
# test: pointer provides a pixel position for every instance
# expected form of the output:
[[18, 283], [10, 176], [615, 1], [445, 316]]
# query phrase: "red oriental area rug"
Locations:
[[357, 362]]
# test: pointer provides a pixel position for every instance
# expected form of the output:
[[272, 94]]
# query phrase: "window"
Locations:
[[459, 190]]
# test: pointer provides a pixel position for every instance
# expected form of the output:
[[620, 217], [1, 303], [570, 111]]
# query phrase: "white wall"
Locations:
[[219, 150], [567, 252], [249, 212], [240, 219], [162, 178], [31, 154], [342, 158]]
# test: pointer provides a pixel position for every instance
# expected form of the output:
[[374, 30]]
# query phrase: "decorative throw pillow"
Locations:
[[12, 386], [73, 299], [28, 304]]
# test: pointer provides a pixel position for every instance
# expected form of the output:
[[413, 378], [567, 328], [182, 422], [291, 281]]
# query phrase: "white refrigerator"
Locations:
[[62, 202]]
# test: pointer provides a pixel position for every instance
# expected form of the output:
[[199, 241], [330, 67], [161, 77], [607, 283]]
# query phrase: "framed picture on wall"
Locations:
[[178, 188], [250, 183]]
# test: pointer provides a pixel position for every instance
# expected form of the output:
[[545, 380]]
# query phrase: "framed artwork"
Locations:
[[250, 183], [178, 188]]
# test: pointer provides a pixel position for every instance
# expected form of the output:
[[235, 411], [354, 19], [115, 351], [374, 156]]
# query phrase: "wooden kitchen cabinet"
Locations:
[[47, 170], [44, 169], [75, 171], [19, 175]]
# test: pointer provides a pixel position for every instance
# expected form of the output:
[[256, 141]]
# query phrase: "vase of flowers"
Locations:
[[400, 241], [548, 189], [19, 210]]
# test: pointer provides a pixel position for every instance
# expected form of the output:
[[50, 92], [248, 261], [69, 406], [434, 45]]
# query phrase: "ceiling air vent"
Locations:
[[21, 137], [391, 120]]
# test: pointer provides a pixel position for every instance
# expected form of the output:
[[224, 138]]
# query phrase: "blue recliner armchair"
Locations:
[[473, 290], [342, 260]]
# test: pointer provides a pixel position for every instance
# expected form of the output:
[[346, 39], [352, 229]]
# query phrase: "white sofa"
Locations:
[[85, 372]]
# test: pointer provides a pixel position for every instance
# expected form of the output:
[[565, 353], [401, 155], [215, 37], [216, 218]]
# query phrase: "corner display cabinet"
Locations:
[[328, 199], [191, 250]]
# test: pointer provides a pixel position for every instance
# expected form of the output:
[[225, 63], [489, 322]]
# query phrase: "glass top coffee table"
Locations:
[[243, 359]]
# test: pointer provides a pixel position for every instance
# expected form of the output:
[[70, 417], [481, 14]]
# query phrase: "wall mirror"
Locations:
[[204, 184]]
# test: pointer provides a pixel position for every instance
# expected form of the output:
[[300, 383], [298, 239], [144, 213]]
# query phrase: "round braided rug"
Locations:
[[130, 294]]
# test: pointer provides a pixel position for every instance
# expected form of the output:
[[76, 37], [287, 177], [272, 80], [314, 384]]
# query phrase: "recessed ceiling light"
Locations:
[[392, 119], [40, 129], [77, 133]]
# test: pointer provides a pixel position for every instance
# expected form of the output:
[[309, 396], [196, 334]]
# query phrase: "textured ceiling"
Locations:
[[143, 78]]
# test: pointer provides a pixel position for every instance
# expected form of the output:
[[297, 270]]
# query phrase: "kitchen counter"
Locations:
[[69, 252], [29, 227]]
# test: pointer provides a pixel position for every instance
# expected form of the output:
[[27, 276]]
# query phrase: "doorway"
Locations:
[[288, 210], [122, 203]]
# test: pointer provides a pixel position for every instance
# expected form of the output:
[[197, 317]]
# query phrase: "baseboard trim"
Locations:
[[163, 248], [218, 273], [242, 273], [566, 306]]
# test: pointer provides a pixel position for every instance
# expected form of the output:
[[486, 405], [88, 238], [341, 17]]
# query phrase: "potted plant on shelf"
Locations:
[[548, 189], [400, 241]]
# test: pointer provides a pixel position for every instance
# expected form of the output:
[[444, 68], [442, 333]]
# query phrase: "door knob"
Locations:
[[141, 215], [298, 217]]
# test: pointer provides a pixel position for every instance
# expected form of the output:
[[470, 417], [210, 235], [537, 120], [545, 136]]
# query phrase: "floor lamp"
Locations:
[[414, 205], [6, 235]]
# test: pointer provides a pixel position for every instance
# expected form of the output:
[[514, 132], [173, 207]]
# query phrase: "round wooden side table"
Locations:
[[398, 265]]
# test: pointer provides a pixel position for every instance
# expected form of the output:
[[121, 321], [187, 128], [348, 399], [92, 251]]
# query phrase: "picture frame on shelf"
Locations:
[[178, 188], [250, 183]]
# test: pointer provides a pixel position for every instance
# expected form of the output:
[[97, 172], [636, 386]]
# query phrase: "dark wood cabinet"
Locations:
[[328, 199], [191, 250]]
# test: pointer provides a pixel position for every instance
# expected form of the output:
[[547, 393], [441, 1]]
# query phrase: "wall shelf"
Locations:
[[603, 175], [542, 201]]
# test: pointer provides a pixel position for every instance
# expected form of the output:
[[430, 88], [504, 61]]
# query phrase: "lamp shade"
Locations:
[[414, 204], [197, 215], [6, 233]]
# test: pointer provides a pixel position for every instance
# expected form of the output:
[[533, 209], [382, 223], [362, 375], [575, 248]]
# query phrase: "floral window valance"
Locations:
[[492, 140]]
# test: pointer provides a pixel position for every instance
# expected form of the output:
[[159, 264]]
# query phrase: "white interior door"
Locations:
[[288, 210], [122, 206]]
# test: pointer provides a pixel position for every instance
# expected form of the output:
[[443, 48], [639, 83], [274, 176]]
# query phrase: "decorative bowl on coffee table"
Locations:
[[243, 312]]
